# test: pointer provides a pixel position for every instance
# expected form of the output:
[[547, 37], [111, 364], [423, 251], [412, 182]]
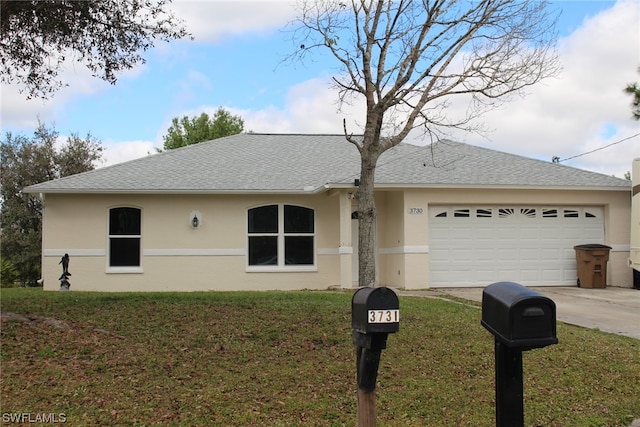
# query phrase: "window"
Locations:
[[571, 213], [505, 212], [281, 235], [528, 212], [124, 237], [484, 213]]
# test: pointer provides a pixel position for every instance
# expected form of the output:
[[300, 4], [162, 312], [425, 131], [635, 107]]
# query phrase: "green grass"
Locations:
[[286, 359]]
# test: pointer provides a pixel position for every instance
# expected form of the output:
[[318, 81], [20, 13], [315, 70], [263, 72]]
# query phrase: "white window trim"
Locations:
[[124, 270], [281, 267]]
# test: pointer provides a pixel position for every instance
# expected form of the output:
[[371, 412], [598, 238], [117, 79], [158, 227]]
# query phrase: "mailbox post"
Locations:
[[520, 319], [375, 313]]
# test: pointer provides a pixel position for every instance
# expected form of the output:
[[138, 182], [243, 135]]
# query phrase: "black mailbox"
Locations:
[[375, 313], [375, 310], [519, 317]]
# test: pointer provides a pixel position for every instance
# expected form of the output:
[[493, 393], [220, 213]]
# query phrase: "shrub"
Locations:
[[8, 274]]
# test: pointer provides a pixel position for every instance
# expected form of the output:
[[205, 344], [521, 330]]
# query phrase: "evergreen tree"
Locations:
[[27, 161], [188, 131]]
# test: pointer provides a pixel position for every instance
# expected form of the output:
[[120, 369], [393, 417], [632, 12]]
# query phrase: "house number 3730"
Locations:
[[416, 211]]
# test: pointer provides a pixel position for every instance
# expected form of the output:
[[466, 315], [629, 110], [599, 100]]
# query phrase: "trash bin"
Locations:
[[591, 263]]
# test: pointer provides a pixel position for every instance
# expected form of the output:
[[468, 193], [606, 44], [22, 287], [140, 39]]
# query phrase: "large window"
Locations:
[[124, 237], [281, 235]]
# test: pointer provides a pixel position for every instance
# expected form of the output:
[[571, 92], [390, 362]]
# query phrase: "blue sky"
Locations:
[[236, 61]]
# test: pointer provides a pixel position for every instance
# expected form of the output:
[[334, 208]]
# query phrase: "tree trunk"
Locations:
[[367, 221]]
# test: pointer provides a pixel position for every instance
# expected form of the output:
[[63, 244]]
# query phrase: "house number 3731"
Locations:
[[384, 316], [416, 211]]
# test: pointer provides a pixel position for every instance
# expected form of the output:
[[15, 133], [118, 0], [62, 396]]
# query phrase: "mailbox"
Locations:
[[375, 310], [375, 313], [519, 317]]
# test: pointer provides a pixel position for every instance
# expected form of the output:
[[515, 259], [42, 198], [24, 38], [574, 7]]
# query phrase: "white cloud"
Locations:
[[19, 112], [193, 82], [268, 120], [310, 107], [118, 152], [585, 108], [214, 20]]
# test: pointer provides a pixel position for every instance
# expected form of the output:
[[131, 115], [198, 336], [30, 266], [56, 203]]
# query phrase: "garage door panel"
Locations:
[[436, 234], [439, 277], [573, 233], [505, 254], [530, 275], [551, 254], [486, 275], [506, 276], [459, 274], [552, 275], [527, 244], [531, 245], [528, 233], [463, 254], [591, 235], [528, 254], [439, 258], [484, 233], [570, 275], [484, 255], [546, 232]]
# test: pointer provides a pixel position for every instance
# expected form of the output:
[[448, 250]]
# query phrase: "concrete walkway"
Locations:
[[615, 310]]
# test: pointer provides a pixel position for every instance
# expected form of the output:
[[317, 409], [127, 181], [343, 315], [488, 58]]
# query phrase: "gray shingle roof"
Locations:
[[301, 163]]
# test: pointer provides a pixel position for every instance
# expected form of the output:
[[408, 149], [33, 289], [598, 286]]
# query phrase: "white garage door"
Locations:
[[532, 245]]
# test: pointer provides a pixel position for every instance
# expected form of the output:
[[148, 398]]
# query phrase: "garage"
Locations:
[[530, 245]]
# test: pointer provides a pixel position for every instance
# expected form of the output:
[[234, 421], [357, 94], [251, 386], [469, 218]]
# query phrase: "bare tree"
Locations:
[[409, 59]]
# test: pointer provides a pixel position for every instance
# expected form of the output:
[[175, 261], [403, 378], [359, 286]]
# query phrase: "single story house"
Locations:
[[634, 250], [264, 211]]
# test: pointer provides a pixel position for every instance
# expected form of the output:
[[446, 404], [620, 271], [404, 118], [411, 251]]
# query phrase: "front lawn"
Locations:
[[286, 359]]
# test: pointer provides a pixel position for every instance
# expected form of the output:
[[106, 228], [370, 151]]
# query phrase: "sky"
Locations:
[[237, 60]]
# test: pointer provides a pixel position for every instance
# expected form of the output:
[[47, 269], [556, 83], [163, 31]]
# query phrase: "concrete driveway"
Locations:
[[615, 310]]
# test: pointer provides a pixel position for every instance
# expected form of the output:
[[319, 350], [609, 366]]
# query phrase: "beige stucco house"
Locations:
[[634, 258], [259, 211]]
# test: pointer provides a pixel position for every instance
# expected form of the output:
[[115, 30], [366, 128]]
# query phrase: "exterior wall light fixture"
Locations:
[[195, 219]]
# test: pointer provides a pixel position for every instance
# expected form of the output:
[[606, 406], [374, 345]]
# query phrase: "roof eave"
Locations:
[[394, 186], [314, 190], [326, 187]]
